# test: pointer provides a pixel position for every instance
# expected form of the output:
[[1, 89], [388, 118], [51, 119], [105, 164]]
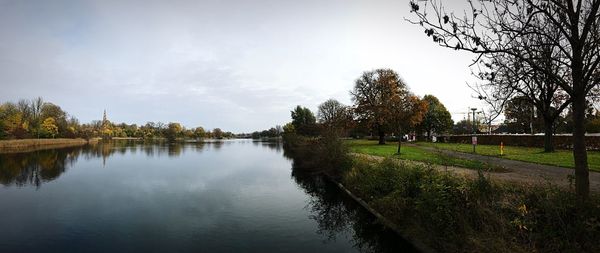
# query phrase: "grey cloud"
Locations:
[[237, 65]]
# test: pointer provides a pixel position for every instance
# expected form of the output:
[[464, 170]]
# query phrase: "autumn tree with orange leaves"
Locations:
[[383, 101]]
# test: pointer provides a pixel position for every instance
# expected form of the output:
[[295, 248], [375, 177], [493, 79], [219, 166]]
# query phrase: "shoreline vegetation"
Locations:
[[30, 145], [447, 212], [458, 209], [37, 119], [420, 246]]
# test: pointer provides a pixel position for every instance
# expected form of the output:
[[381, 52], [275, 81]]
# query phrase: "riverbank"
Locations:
[[28, 145], [452, 213], [416, 243], [454, 209], [127, 138]]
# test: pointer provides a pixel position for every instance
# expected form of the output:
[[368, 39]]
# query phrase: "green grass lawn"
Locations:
[[562, 158], [414, 154]]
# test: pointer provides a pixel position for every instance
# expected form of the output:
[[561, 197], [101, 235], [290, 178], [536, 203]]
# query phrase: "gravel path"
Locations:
[[518, 171]]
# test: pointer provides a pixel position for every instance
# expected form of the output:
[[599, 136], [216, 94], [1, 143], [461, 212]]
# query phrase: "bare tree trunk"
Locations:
[[381, 135], [428, 136], [582, 181], [548, 135]]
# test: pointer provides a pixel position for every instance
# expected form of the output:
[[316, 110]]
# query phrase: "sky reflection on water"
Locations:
[[231, 196]]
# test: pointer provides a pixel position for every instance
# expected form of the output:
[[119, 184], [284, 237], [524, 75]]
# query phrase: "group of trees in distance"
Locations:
[[383, 101], [273, 132], [522, 117], [383, 106], [39, 119], [35, 119]]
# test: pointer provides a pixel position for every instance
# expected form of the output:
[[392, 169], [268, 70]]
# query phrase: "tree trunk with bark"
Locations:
[[582, 181], [381, 135], [399, 141], [548, 135], [582, 174]]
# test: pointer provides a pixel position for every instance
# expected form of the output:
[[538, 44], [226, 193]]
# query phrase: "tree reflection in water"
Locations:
[[38, 167], [336, 214]]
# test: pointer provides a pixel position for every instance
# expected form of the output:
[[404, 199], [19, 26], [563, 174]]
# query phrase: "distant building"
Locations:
[[105, 121], [106, 128]]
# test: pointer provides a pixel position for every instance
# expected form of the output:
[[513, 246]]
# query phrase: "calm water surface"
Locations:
[[232, 196]]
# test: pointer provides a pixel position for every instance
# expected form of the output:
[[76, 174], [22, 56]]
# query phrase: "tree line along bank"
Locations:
[[39, 119]]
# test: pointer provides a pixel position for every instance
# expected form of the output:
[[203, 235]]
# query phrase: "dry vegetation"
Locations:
[[24, 145]]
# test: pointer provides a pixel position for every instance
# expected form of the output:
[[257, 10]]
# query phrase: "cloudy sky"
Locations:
[[237, 65]]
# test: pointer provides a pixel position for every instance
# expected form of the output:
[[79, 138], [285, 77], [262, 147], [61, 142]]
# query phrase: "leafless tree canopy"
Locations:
[[335, 116], [547, 47]]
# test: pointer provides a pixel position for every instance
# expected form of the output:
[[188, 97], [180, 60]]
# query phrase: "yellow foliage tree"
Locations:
[[106, 132], [49, 127], [13, 122]]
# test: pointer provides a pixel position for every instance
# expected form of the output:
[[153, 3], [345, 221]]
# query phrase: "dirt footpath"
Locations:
[[519, 172]]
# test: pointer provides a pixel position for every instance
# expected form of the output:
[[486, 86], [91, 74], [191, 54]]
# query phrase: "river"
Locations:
[[221, 196]]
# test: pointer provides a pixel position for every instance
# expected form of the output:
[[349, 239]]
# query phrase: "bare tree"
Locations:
[[494, 99], [494, 29], [507, 77], [335, 116], [36, 108]]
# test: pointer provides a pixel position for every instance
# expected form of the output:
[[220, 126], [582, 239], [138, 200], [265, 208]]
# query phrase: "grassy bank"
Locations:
[[414, 154], [562, 158], [454, 214], [451, 213], [26, 145]]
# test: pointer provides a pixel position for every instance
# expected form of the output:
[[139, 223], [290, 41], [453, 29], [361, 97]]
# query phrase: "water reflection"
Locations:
[[276, 145], [335, 212], [203, 201], [38, 167]]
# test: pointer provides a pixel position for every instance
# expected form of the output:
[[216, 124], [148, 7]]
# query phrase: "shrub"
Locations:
[[552, 219], [327, 154], [453, 214]]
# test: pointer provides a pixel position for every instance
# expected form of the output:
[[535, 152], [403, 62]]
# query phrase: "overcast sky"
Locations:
[[238, 65]]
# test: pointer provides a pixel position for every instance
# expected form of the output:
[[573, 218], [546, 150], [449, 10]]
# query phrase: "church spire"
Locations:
[[106, 128], [104, 119]]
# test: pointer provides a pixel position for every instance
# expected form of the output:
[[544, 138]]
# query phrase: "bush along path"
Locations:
[[447, 212], [519, 171], [451, 213]]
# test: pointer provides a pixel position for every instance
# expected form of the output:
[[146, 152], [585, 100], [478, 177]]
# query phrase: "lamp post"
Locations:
[[474, 138]]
